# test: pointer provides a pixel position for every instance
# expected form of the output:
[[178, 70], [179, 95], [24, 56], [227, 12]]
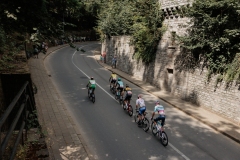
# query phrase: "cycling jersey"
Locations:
[[92, 84], [120, 84], [160, 110], [114, 76], [161, 117], [128, 91], [140, 102]]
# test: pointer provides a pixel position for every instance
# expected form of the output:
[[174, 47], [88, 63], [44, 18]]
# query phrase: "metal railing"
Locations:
[[18, 109]]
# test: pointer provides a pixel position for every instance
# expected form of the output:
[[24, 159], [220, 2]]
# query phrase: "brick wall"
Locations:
[[163, 73]]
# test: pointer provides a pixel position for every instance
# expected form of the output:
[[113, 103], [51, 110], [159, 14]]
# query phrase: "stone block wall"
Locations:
[[163, 72]]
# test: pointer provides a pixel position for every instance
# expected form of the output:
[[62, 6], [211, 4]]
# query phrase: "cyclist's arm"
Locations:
[[153, 114], [110, 79], [137, 104]]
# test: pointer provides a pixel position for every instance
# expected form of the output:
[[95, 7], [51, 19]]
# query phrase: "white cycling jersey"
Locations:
[[140, 102]]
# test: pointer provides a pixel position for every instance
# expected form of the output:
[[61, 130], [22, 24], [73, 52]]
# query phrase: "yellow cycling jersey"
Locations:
[[114, 76], [127, 89]]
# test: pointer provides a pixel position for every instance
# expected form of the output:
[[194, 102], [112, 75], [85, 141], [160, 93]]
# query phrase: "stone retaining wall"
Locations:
[[190, 86]]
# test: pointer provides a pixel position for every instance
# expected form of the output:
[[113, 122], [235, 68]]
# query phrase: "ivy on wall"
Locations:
[[141, 19], [147, 29], [214, 37]]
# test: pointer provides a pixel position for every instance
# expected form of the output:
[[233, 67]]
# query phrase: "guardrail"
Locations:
[[18, 109]]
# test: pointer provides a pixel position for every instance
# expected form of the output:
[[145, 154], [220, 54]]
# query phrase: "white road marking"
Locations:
[[173, 147], [88, 76]]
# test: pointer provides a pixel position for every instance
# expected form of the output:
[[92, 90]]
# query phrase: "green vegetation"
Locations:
[[214, 37], [27, 23], [141, 19]]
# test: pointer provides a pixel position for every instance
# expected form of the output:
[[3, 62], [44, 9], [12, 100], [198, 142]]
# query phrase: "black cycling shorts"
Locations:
[[160, 118], [113, 81], [120, 89], [127, 97]]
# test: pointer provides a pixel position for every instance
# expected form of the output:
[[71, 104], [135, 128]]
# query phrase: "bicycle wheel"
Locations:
[[154, 129], [130, 110], [114, 90], [123, 106], [93, 98], [120, 101], [110, 87], [145, 124], [116, 96], [163, 138], [135, 118]]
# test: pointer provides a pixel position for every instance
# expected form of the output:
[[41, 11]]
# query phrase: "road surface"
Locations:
[[108, 130]]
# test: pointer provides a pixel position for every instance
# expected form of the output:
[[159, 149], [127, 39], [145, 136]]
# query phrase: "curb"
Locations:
[[188, 113]]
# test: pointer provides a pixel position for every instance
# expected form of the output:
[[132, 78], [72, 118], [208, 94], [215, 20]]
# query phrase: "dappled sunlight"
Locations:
[[149, 137], [178, 120], [89, 56], [163, 157], [72, 151], [178, 134], [155, 158]]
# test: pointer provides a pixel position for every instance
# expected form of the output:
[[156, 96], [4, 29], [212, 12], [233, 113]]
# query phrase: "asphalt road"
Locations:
[[108, 130]]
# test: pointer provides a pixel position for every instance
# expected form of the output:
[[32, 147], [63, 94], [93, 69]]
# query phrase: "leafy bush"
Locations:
[[140, 19], [215, 36]]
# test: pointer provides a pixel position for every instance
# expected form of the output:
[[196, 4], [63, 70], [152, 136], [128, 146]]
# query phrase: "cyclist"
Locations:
[[128, 95], [160, 110], [91, 85], [119, 85], [113, 78], [140, 104]]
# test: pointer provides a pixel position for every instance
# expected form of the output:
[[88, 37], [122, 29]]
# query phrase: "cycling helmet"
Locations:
[[139, 96], [127, 85], [92, 78], [157, 102], [119, 79]]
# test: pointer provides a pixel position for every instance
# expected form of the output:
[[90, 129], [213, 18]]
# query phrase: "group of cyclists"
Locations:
[[117, 83]]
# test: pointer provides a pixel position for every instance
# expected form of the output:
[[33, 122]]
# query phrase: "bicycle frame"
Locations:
[[160, 132]]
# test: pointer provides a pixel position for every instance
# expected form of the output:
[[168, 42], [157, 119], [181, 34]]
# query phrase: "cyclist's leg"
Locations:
[[140, 114], [125, 99], [156, 119], [121, 92], [143, 111], [129, 99], [112, 83], [162, 118]]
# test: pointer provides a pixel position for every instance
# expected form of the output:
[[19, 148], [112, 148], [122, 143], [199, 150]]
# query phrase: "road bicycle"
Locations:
[[128, 108], [119, 97], [91, 96], [144, 122], [158, 130], [112, 88]]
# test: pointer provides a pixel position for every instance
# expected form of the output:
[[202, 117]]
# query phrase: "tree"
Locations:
[[141, 19], [215, 36]]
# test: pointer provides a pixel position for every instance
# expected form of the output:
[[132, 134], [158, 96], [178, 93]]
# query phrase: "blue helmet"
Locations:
[[119, 79]]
